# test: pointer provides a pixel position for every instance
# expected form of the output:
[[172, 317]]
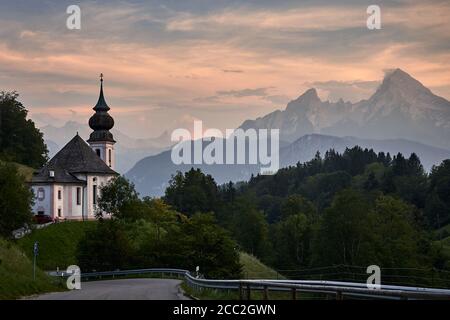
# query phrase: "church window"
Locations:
[[41, 194], [94, 194], [78, 196], [109, 157], [98, 152], [59, 212], [59, 194]]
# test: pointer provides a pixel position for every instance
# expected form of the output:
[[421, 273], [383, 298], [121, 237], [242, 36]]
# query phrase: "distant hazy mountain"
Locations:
[[152, 174], [401, 108], [128, 150]]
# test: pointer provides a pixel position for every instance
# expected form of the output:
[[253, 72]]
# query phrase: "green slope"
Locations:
[[24, 170], [57, 243], [255, 269], [16, 274]]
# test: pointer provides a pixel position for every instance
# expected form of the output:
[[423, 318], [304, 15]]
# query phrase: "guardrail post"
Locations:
[[266, 293], [241, 293], [294, 294], [248, 292], [339, 295]]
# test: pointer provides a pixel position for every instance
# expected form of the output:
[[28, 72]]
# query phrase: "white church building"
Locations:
[[68, 186]]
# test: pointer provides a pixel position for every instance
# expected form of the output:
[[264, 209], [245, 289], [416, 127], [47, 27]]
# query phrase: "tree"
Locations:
[[192, 192], [296, 204], [211, 248], [438, 200], [16, 200], [20, 140], [105, 248], [344, 230], [161, 215], [322, 187], [118, 198], [395, 237], [250, 228], [414, 166], [371, 183], [292, 241]]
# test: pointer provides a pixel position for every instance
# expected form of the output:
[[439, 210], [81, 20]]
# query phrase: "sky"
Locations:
[[168, 63]]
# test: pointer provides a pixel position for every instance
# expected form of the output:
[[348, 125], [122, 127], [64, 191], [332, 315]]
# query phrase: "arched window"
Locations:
[[109, 157]]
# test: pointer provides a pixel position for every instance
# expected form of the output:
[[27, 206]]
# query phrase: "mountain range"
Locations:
[[128, 150], [401, 116], [152, 174], [401, 108]]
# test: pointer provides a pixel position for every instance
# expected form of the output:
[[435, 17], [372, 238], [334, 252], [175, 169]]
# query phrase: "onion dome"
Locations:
[[101, 122]]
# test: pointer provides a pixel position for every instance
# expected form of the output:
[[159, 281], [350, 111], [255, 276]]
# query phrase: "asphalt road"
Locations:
[[126, 289]]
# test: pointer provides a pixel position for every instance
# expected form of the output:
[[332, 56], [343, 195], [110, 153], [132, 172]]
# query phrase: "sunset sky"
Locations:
[[169, 62]]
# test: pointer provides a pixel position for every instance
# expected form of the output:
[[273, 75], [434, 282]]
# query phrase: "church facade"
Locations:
[[68, 186]]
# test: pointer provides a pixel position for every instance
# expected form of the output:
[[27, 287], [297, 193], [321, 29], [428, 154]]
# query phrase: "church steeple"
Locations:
[[101, 103], [101, 122], [101, 139]]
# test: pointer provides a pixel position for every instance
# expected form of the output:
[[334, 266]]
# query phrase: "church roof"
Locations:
[[76, 157]]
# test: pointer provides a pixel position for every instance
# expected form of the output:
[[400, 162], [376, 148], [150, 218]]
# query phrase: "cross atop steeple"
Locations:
[[101, 77]]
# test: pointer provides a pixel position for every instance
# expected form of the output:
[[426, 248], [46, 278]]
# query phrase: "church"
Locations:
[[68, 186]]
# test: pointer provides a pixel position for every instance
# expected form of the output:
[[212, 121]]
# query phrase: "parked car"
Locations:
[[42, 218]]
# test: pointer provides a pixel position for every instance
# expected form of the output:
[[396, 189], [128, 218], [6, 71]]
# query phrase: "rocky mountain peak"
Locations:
[[309, 96], [399, 83], [309, 99]]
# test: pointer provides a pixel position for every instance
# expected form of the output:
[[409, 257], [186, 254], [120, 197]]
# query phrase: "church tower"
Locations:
[[101, 140]]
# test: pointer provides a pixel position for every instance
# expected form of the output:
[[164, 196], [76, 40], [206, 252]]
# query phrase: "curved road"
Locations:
[[126, 289]]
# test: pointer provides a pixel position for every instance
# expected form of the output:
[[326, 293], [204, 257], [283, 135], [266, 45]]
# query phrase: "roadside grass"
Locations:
[[255, 269], [443, 232], [57, 243], [16, 274], [252, 268], [258, 295]]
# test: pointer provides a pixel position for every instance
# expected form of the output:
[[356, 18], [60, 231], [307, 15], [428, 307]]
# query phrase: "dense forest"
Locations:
[[353, 209]]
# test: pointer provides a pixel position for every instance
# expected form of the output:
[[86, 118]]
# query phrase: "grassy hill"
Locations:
[[442, 240], [24, 170], [255, 269], [16, 274], [57, 243]]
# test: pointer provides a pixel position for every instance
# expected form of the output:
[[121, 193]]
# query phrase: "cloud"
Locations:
[[159, 59], [233, 71], [278, 99], [257, 92], [353, 91]]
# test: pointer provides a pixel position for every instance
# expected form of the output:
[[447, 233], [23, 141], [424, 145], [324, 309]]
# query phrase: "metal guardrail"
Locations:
[[338, 289]]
